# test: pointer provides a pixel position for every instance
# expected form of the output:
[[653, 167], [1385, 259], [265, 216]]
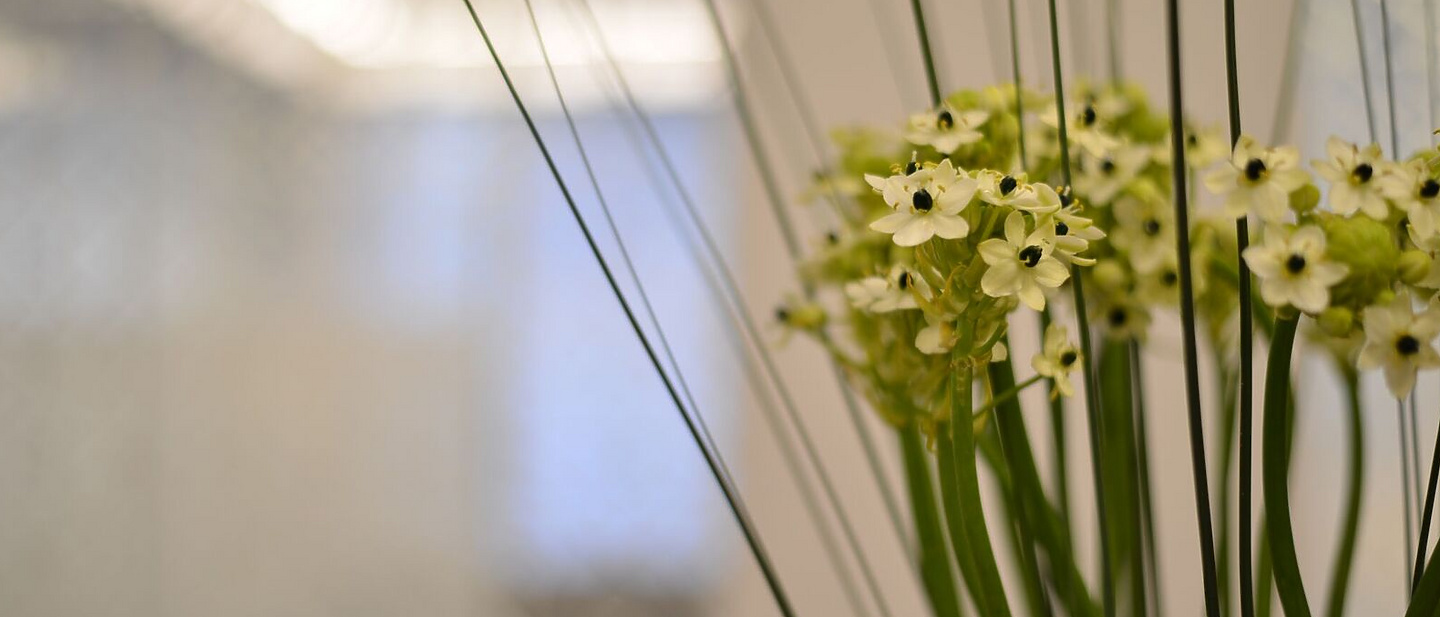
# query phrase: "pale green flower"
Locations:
[[1258, 180], [1413, 189], [1145, 230], [893, 292], [946, 129], [1058, 358], [1084, 129], [1353, 174], [1101, 178], [1293, 268], [1021, 265], [1400, 341], [937, 197]]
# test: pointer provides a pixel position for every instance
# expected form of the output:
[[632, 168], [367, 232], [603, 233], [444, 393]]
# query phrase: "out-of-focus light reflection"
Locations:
[[370, 54]]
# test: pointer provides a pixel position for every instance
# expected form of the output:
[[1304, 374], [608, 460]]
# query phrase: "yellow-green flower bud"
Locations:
[[1305, 198], [1109, 275], [1337, 321], [1414, 266], [1368, 249], [807, 316]]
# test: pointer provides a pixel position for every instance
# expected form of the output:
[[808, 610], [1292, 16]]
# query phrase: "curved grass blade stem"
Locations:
[[1425, 517], [1354, 492], [1275, 471], [731, 495]]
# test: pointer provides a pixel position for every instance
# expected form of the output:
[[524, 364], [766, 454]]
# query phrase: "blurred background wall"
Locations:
[[293, 322]]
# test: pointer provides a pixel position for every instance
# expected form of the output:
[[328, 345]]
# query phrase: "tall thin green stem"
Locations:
[[1364, 71], [1289, 74], [732, 496], [1247, 354], [1092, 390], [1403, 433], [1354, 491], [1389, 79], [926, 54], [937, 576], [1275, 471], [977, 534], [1147, 501], [1429, 511], [1187, 315]]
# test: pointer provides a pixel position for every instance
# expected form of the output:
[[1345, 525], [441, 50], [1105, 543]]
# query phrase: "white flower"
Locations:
[[1145, 231], [1005, 190], [938, 335], [1353, 174], [1162, 285], [1400, 341], [1258, 179], [1204, 148], [1058, 359], [1101, 178], [1415, 191], [1072, 233], [1020, 265], [937, 196], [946, 129], [1084, 130], [885, 294], [1125, 318], [1293, 269]]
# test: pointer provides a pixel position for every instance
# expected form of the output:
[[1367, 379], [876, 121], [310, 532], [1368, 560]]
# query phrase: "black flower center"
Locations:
[[1191, 140], [911, 167], [1117, 317], [922, 200], [1087, 116], [904, 281], [1169, 278], [1295, 264], [945, 120], [782, 314], [1061, 229], [1407, 345], [1068, 358], [1107, 167], [1430, 189], [1362, 173], [832, 238], [1254, 170], [1007, 185], [1031, 255], [1066, 198], [1151, 227]]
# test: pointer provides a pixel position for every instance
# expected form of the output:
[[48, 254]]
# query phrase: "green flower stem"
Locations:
[[967, 497], [1264, 573], [1426, 601], [1002, 375], [1057, 436], [1007, 395], [1340, 571], [1275, 471], [1424, 521], [934, 558], [1223, 468], [924, 35], [1147, 503], [1120, 464], [955, 517]]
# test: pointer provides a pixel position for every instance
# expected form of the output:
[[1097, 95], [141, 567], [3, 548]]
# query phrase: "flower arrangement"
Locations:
[[1073, 211]]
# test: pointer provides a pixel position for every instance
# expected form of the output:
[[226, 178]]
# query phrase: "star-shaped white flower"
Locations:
[[1258, 180], [1072, 233], [1353, 174], [893, 292], [1058, 359], [1145, 230], [1400, 341], [1008, 191], [1101, 178], [1204, 147], [1021, 264], [1084, 130], [946, 129], [1414, 190], [1293, 269], [936, 198]]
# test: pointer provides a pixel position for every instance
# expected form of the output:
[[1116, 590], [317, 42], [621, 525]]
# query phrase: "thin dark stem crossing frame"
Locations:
[[731, 495]]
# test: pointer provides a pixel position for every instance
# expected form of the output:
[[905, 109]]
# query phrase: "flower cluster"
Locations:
[[1360, 266], [932, 259]]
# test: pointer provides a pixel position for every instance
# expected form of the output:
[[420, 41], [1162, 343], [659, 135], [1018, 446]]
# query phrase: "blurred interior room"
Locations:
[[294, 319]]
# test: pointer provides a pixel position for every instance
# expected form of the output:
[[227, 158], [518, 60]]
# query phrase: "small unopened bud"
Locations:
[[1414, 266], [803, 316], [1305, 198], [1337, 321]]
